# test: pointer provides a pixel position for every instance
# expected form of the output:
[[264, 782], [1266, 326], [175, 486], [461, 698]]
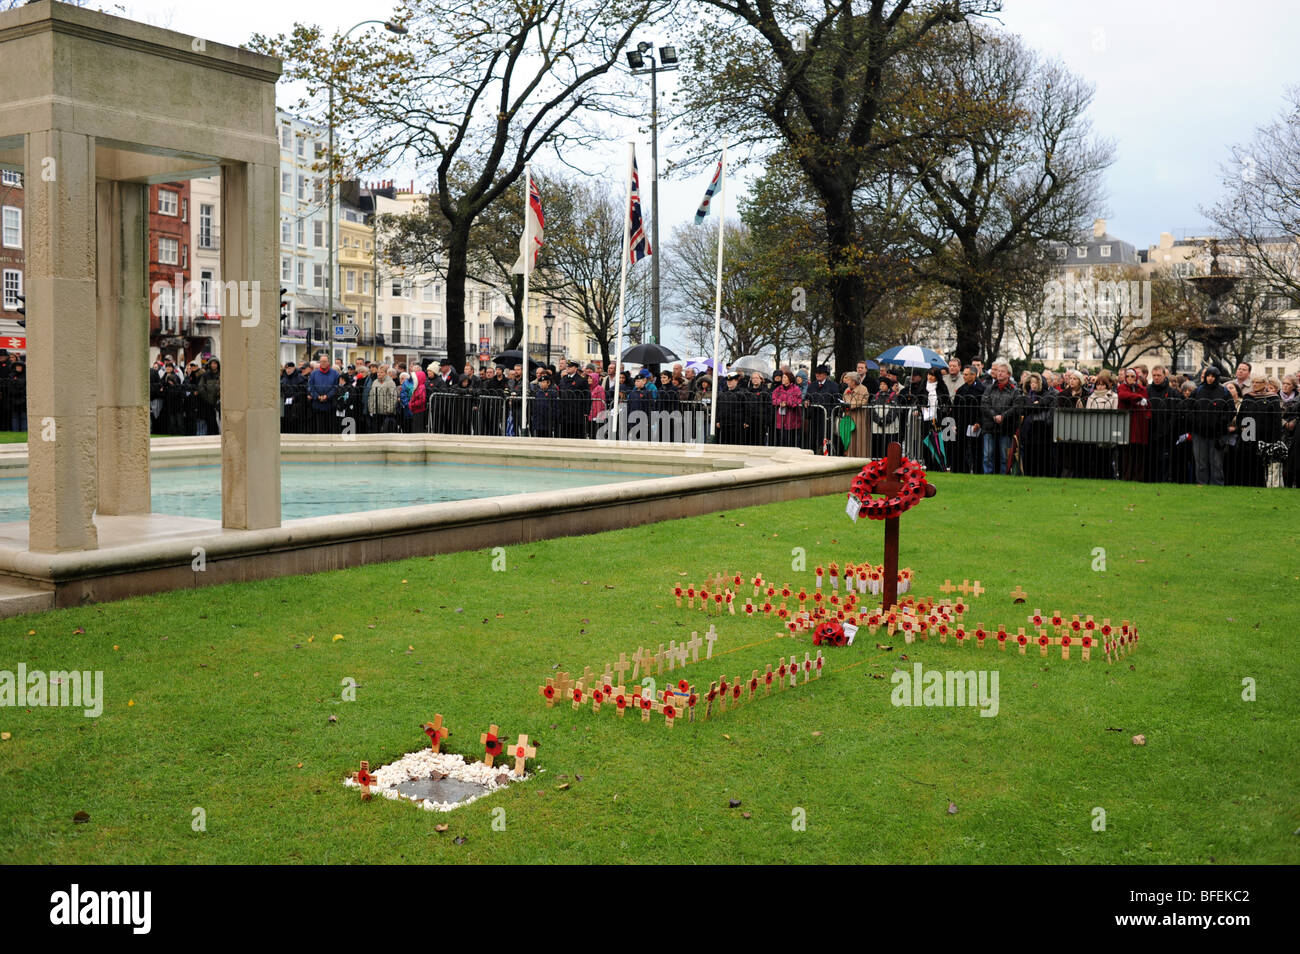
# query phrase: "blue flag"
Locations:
[[702, 212]]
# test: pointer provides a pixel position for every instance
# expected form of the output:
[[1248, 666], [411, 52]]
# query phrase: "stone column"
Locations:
[[123, 338], [250, 338], [61, 401]]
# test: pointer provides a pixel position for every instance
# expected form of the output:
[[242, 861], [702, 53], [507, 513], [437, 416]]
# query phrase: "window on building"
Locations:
[[10, 178], [302, 146], [1061, 253], [396, 289], [426, 293], [205, 290], [318, 234], [286, 231], [286, 269], [593, 346], [302, 188], [286, 183], [1281, 352], [168, 251], [1105, 251], [408, 288], [185, 256], [205, 225], [428, 333], [1081, 251], [1183, 269], [351, 281], [185, 210], [318, 276], [167, 309], [368, 246], [286, 136], [302, 234], [12, 287], [12, 227], [318, 190], [1268, 352], [397, 330], [301, 274], [167, 201], [365, 283]]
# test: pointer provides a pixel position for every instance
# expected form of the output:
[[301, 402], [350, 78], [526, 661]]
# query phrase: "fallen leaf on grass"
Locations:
[[333, 718], [816, 733], [727, 737], [459, 840], [734, 802], [746, 815], [5, 736], [130, 703], [1111, 728], [502, 779], [78, 632], [560, 788], [883, 648], [81, 818], [952, 808], [337, 637], [441, 828], [1139, 740]]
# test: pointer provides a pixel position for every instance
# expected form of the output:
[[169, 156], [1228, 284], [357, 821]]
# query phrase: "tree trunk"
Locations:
[[457, 271], [970, 325], [847, 289]]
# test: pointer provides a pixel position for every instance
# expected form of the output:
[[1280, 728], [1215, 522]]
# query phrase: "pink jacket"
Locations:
[[790, 397]]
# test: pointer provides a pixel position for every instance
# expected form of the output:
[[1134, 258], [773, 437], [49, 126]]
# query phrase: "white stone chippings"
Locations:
[[426, 762]]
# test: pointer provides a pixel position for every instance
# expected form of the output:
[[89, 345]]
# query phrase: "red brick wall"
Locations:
[[162, 225]]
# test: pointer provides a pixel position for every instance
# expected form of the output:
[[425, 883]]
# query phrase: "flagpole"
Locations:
[[622, 288], [527, 258], [717, 301]]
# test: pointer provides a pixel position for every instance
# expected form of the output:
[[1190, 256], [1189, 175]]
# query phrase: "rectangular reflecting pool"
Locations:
[[325, 489]]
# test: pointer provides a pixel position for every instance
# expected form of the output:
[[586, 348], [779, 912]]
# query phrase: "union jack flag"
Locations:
[[638, 241]]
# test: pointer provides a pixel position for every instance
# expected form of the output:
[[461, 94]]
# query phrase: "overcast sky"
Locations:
[[1177, 82]]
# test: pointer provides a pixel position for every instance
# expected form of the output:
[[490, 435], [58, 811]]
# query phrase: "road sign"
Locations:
[[13, 344]]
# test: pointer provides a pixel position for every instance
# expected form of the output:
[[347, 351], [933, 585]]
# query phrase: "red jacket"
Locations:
[[1140, 419]]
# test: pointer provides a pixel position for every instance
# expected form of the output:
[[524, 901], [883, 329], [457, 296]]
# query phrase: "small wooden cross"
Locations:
[[1017, 595], [588, 677], [753, 683], [548, 692], [658, 659], [671, 656], [562, 683], [947, 589], [976, 589], [365, 780], [964, 589], [710, 637], [436, 731], [694, 644], [621, 667], [638, 658], [682, 653], [522, 752], [767, 680], [492, 746], [712, 694]]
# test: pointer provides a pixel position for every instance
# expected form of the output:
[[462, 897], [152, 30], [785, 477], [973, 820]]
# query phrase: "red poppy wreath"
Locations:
[[915, 488]]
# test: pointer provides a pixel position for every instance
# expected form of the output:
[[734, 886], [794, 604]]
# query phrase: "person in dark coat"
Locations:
[[640, 405], [1161, 394], [761, 411], [822, 392], [966, 414], [733, 407], [999, 417], [322, 388], [1214, 410]]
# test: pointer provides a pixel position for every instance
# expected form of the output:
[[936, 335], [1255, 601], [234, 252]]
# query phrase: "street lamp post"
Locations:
[[391, 27], [667, 62], [549, 318]]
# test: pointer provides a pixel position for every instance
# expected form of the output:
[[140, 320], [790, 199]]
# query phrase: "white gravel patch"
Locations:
[[429, 764]]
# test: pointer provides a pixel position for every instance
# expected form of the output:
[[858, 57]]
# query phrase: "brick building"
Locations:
[[169, 271]]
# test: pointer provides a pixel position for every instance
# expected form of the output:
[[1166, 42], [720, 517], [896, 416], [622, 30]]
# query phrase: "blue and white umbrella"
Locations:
[[913, 356]]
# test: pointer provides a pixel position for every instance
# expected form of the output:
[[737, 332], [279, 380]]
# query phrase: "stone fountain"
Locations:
[[1216, 331]]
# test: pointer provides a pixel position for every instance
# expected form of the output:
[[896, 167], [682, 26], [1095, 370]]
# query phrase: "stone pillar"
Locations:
[[250, 339], [123, 339], [61, 402]]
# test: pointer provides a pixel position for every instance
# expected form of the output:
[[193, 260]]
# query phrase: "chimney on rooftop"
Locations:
[[1166, 239], [1098, 228]]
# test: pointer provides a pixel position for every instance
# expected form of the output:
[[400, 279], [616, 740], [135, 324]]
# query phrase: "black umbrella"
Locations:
[[649, 354], [514, 356]]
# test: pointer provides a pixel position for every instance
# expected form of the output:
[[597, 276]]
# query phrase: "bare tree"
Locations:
[[583, 260], [1024, 170], [1259, 213], [1106, 315], [477, 84], [830, 94]]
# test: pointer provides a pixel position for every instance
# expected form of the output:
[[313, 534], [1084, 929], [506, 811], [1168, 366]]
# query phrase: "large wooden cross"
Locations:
[[890, 485]]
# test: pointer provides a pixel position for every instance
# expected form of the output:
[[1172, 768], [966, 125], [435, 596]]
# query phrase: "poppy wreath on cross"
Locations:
[[913, 491]]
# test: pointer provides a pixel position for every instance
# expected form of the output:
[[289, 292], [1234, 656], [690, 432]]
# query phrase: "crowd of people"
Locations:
[[1207, 429], [13, 392]]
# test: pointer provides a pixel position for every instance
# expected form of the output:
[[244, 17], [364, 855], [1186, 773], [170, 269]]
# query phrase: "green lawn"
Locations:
[[13, 437], [233, 688]]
